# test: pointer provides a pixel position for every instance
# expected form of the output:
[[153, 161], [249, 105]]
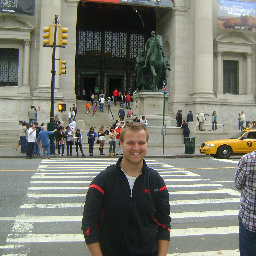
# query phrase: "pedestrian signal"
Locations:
[[61, 107]]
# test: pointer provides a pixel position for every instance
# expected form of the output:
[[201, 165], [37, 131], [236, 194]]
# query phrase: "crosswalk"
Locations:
[[204, 213]]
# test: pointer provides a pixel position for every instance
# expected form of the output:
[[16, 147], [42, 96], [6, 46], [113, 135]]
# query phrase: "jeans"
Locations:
[[36, 149], [242, 125], [69, 147], [79, 144], [214, 126], [101, 107], [118, 148], [112, 146], [62, 147], [46, 149], [128, 104], [247, 241]]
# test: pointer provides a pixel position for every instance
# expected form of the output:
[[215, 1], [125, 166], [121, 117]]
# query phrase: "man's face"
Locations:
[[134, 146]]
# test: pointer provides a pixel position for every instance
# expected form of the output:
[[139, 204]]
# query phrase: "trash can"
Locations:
[[189, 145], [23, 144]]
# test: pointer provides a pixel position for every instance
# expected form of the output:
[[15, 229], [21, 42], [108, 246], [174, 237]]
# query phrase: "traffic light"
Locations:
[[48, 36], [62, 67], [61, 107], [62, 35]]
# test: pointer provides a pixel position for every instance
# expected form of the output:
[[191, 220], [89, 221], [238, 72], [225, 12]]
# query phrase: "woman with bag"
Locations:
[[60, 136], [69, 136]]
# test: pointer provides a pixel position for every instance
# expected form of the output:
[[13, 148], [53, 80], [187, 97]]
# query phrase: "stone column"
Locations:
[[249, 73], [26, 58], [219, 73], [203, 83]]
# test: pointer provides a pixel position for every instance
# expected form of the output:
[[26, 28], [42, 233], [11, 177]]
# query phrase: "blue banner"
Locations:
[[236, 15], [22, 7]]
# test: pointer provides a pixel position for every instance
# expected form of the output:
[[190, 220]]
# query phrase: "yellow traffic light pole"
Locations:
[[50, 40]]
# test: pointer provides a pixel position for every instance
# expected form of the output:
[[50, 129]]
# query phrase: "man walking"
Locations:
[[43, 139], [121, 114], [115, 94], [245, 180], [127, 206], [128, 100]]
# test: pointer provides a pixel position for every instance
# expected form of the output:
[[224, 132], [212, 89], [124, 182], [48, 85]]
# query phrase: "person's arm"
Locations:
[[240, 175], [162, 247], [95, 249], [162, 215]]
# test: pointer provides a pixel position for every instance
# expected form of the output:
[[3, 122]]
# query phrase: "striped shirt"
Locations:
[[245, 180]]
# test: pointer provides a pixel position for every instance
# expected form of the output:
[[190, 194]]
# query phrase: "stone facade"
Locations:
[[191, 39]]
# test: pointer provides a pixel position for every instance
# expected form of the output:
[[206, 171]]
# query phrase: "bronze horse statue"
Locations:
[[151, 65], [156, 62]]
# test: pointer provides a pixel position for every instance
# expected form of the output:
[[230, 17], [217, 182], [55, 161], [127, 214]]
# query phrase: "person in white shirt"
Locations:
[[144, 121], [72, 125], [242, 120], [31, 136]]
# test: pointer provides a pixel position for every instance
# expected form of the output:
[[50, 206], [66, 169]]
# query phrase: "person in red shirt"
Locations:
[[128, 100], [118, 131], [115, 94]]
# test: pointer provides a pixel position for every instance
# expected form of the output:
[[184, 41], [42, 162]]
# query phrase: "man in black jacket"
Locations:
[[127, 206]]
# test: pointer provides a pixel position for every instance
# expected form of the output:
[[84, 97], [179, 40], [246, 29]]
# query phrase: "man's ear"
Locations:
[[121, 145]]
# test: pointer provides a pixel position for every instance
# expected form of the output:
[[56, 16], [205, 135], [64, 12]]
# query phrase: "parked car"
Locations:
[[242, 143]]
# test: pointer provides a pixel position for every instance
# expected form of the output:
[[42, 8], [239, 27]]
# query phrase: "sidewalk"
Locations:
[[8, 151]]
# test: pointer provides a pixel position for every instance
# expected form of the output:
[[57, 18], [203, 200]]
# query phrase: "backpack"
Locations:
[[111, 179]]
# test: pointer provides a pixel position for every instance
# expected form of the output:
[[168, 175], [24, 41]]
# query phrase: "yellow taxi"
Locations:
[[242, 143]]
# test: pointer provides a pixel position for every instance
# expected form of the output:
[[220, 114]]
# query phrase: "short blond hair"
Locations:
[[133, 126]]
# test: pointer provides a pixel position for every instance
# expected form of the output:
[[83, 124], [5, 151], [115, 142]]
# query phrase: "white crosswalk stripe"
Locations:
[[57, 192]]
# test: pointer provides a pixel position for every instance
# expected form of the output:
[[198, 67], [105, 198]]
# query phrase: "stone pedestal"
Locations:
[[149, 103]]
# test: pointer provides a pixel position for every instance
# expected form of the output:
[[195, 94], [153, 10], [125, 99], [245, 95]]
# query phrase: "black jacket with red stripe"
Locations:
[[126, 223]]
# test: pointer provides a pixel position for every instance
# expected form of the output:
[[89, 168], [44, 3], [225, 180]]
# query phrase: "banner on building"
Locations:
[[22, 7], [155, 3], [236, 15]]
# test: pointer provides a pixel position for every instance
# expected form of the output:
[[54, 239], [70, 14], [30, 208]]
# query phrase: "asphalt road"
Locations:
[[42, 204]]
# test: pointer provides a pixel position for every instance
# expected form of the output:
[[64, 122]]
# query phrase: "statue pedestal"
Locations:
[[149, 103]]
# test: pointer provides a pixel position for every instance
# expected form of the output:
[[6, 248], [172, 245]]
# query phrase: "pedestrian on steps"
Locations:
[[94, 109], [112, 141], [78, 142], [91, 138], [101, 136]]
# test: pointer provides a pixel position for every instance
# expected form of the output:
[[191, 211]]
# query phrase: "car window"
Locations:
[[237, 135], [251, 135]]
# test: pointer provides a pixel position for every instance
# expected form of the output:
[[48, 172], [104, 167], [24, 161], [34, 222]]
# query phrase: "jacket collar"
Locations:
[[144, 169]]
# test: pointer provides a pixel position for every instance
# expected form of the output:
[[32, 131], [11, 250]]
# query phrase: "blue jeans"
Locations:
[[128, 104], [36, 149], [247, 241], [46, 149], [241, 125], [101, 106], [112, 145]]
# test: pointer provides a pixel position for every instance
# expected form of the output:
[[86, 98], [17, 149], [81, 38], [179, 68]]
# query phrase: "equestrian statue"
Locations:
[[152, 65]]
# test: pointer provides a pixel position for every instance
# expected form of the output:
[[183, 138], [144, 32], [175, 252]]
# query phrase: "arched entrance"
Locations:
[[109, 37]]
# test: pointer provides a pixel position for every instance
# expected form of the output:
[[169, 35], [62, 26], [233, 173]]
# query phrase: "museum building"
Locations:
[[210, 45]]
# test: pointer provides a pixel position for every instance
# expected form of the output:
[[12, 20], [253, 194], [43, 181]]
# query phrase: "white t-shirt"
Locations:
[[31, 135], [130, 179]]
